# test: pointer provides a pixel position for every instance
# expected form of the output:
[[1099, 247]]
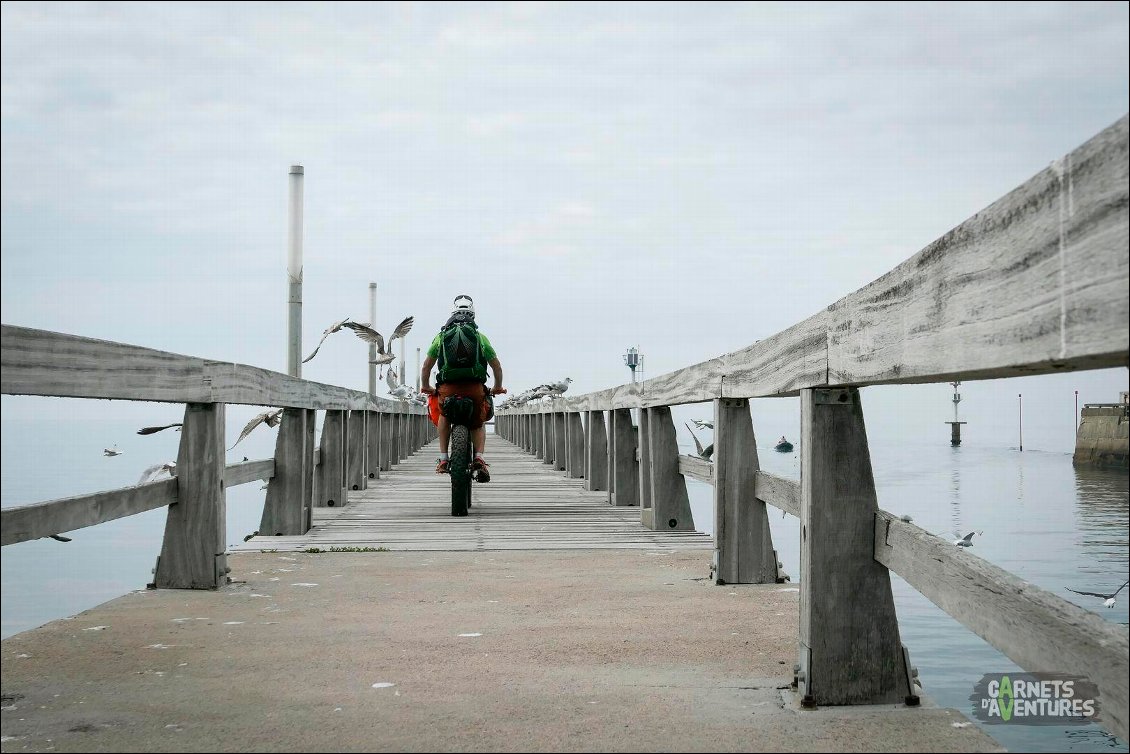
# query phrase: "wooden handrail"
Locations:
[[40, 362], [1036, 283]]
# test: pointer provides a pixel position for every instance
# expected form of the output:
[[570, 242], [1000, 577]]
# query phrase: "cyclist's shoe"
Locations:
[[443, 465], [481, 470]]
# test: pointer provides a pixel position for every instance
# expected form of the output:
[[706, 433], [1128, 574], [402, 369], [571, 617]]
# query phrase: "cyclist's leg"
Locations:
[[479, 438], [444, 433]]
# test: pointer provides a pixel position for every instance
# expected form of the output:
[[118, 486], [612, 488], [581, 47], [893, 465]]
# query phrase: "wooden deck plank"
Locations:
[[526, 506]]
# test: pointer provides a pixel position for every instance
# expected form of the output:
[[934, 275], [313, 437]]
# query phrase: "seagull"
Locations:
[[153, 430], [270, 418], [335, 327], [560, 387], [400, 392], [369, 335], [708, 452], [155, 472], [1108, 599], [905, 518], [967, 540], [707, 424], [111, 452]]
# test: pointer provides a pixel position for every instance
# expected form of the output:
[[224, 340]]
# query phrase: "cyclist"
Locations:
[[462, 372]]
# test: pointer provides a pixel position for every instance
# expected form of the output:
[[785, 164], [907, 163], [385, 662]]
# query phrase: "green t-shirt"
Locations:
[[484, 347]]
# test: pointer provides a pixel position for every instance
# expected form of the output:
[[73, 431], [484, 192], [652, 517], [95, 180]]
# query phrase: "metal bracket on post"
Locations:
[[804, 679], [831, 396]]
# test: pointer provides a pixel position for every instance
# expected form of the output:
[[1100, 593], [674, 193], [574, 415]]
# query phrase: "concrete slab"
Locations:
[[503, 651]]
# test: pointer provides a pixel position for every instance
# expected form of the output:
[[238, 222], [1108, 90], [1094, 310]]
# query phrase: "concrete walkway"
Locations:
[[507, 651]]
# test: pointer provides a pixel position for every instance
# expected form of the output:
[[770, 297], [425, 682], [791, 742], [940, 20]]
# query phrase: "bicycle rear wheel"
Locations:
[[460, 470]]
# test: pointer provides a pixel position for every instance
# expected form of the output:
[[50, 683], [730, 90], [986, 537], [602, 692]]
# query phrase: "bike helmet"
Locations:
[[463, 305]]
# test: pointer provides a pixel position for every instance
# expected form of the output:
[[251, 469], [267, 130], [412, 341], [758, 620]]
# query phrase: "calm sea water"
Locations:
[[1043, 520]]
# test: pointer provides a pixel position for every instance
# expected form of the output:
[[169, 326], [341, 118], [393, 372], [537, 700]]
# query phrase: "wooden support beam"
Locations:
[[671, 507], [850, 652], [743, 543], [355, 451], [331, 470], [549, 444], [388, 439], [309, 469], [643, 468], [372, 446], [236, 474], [284, 512], [575, 437], [193, 553], [596, 453], [624, 466], [696, 468], [560, 452]]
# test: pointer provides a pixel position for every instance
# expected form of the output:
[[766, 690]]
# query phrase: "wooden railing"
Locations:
[[361, 436], [1036, 283]]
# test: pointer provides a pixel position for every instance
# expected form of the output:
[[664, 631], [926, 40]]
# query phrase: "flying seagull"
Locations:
[[708, 452], [707, 424], [1108, 599], [369, 335], [153, 430], [111, 452], [967, 540], [157, 471], [270, 418]]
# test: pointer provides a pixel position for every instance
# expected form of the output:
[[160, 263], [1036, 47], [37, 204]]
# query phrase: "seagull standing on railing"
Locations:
[[400, 392], [369, 335], [153, 473], [270, 418], [1108, 599]]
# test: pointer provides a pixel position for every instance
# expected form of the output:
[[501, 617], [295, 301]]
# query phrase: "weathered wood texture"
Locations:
[[284, 511], [27, 522], [575, 440], [560, 447], [624, 466], [372, 446], [643, 468], [236, 474], [671, 507], [696, 468], [310, 454], [193, 553], [781, 493], [1034, 628], [355, 450], [40, 362], [331, 470], [850, 652], [596, 453], [388, 441], [743, 542], [1035, 283]]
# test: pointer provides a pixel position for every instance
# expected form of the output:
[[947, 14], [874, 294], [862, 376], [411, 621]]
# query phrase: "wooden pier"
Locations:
[[614, 597]]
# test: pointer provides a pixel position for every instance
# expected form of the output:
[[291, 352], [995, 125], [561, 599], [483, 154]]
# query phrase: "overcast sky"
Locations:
[[684, 177]]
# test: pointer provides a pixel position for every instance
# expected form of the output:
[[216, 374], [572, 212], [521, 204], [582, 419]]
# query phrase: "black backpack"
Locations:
[[460, 354]]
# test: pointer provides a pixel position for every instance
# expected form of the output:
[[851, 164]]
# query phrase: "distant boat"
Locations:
[[783, 446]]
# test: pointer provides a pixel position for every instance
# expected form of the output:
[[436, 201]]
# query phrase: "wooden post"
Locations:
[[355, 451], [643, 468], [743, 543], [402, 451], [193, 551], [547, 441], [575, 435], [850, 652], [624, 466], [596, 453], [309, 470], [331, 471], [670, 505], [388, 429], [372, 446], [284, 512], [560, 447]]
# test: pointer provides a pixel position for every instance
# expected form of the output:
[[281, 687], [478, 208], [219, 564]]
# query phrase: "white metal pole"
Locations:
[[417, 370], [294, 275], [372, 346]]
